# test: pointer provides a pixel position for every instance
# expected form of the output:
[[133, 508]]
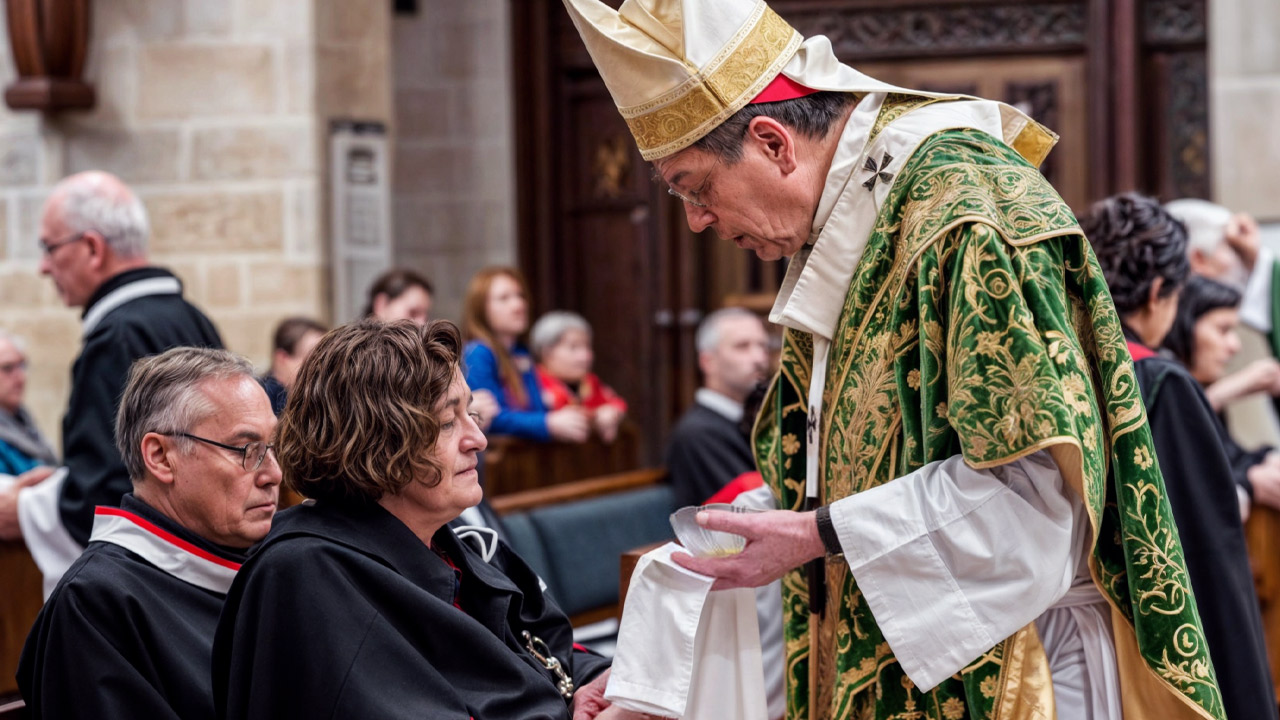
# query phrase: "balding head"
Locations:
[[93, 227]]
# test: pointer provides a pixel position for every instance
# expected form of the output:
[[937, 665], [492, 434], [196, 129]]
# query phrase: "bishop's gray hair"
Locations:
[[708, 335], [812, 116], [165, 394], [551, 327], [100, 202]]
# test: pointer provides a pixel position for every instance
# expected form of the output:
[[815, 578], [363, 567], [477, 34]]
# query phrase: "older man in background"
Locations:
[[708, 449], [128, 633], [93, 234], [22, 447]]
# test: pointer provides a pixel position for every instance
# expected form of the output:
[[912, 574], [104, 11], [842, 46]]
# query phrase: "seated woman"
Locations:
[[1142, 251], [1204, 340], [495, 318], [562, 343], [365, 604]]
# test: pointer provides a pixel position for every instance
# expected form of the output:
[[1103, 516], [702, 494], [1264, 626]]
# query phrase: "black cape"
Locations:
[[706, 452], [120, 639], [1199, 481], [343, 612], [144, 326]]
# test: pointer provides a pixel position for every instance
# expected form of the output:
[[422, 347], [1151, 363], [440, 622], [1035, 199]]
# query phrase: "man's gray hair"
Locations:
[[100, 202], [165, 394], [708, 336], [812, 116], [551, 327]]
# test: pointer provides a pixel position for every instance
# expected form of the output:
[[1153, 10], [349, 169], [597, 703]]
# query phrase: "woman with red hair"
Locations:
[[495, 320]]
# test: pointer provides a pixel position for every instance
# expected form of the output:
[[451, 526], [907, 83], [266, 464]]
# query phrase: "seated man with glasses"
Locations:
[[128, 632]]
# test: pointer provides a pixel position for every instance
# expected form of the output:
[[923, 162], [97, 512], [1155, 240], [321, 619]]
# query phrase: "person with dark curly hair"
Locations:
[[365, 604], [1142, 251]]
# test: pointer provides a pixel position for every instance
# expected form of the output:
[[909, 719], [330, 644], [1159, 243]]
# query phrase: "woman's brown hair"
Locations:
[[475, 326], [360, 421]]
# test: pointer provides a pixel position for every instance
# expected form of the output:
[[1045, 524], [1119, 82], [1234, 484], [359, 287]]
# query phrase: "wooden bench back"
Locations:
[[512, 465], [20, 602]]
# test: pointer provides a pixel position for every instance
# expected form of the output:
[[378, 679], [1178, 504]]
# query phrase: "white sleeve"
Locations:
[[952, 560], [1255, 308], [51, 546]]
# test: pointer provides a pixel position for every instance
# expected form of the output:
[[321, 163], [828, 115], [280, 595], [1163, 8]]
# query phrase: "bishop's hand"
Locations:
[[777, 541]]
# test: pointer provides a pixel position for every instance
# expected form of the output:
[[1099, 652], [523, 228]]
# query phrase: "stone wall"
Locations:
[[1244, 67], [454, 197], [215, 112]]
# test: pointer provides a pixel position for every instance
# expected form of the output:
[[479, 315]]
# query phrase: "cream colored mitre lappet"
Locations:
[[678, 68]]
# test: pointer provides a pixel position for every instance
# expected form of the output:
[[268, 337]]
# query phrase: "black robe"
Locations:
[[342, 612], [1199, 481], [120, 639], [144, 326], [706, 452]]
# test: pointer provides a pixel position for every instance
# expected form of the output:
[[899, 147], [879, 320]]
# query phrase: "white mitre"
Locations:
[[678, 68]]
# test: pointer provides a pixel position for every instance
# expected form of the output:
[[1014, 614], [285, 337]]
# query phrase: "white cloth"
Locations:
[[953, 560], [773, 650], [1255, 307], [49, 543], [684, 651], [1078, 640]]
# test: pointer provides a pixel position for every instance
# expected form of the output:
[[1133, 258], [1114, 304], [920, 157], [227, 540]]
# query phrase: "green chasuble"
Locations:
[[978, 322]]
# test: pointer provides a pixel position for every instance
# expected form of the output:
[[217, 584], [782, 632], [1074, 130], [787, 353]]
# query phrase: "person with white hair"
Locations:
[[93, 239], [22, 446], [561, 343]]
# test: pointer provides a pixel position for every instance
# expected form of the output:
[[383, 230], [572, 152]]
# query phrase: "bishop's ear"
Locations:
[[774, 140]]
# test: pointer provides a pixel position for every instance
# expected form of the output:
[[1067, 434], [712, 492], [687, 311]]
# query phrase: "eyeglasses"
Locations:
[[252, 454], [693, 197], [50, 247]]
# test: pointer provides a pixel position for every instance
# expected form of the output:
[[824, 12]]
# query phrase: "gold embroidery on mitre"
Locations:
[[749, 62]]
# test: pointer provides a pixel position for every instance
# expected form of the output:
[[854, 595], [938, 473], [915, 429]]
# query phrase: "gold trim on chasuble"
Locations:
[[740, 71], [865, 442]]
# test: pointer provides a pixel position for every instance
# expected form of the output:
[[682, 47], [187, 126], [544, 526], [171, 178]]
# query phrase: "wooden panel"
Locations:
[[20, 602], [1050, 88], [1262, 534], [513, 465], [578, 490]]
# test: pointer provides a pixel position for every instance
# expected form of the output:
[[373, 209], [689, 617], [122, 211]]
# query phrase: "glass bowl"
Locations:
[[702, 542]]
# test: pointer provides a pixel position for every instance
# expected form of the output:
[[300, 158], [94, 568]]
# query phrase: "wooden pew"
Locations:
[[512, 465], [1262, 535], [575, 539], [20, 602]]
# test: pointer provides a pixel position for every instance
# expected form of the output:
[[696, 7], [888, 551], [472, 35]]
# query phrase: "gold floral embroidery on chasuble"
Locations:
[[978, 323]]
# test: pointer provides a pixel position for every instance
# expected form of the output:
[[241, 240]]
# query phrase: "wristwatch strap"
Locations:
[[827, 531]]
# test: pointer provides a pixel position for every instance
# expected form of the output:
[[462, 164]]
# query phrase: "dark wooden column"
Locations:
[[50, 40]]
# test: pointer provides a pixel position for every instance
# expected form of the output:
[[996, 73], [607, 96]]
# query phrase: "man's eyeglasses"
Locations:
[[252, 454], [694, 197], [50, 247]]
